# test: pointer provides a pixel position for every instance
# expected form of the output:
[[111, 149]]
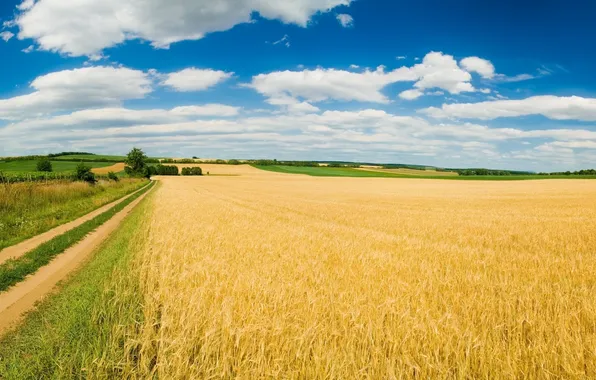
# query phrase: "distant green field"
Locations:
[[349, 172], [57, 166], [323, 171], [90, 157]]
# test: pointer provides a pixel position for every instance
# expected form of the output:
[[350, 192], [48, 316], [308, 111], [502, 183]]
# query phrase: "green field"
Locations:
[[57, 166], [349, 172]]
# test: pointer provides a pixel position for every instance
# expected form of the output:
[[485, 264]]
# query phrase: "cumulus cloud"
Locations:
[[478, 65], [6, 36], [193, 79], [439, 70], [345, 20], [323, 84], [436, 73], [411, 94], [28, 49], [87, 27], [552, 107], [87, 87]]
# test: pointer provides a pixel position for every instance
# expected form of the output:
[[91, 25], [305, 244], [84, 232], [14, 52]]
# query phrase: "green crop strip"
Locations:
[[14, 271]]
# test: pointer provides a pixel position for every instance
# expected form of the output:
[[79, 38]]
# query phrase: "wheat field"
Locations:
[[267, 275]]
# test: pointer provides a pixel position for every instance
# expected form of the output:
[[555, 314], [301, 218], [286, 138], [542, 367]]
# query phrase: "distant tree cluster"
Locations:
[[579, 172], [178, 161], [470, 172], [71, 154], [342, 165], [162, 170], [192, 171], [23, 158]]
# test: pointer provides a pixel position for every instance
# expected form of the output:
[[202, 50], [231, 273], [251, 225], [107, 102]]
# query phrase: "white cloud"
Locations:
[[516, 78], [485, 90], [292, 105], [323, 84], [439, 70], [574, 144], [206, 110], [285, 40], [345, 20], [379, 135], [354, 67], [25, 5], [6, 36], [193, 79], [28, 49], [87, 27], [411, 94], [552, 107], [478, 65], [401, 57], [77, 89]]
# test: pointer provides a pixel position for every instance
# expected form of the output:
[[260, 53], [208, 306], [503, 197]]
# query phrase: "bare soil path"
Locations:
[[23, 247], [23, 296]]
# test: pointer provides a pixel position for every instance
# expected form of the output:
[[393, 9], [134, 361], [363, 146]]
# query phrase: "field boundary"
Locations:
[[19, 249], [23, 296]]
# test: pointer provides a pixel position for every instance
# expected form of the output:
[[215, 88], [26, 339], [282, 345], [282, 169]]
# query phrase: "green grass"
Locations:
[[29, 209], [57, 166], [350, 172], [15, 270], [79, 332]]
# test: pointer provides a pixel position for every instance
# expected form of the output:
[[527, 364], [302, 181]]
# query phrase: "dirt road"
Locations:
[[23, 296], [20, 249]]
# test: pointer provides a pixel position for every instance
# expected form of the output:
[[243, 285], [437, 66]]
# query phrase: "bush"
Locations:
[[84, 173], [192, 171], [44, 165], [166, 170], [113, 177]]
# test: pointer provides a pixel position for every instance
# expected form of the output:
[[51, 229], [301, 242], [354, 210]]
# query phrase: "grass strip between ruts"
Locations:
[[14, 271]]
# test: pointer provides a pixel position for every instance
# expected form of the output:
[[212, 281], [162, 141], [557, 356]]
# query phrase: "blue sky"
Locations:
[[500, 84]]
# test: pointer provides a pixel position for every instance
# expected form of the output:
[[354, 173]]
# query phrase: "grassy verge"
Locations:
[[14, 271], [78, 332], [350, 172], [29, 209]]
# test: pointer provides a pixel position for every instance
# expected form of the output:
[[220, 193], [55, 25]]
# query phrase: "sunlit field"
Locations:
[[285, 276], [254, 274]]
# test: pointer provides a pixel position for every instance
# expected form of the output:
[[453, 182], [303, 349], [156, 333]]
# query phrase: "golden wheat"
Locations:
[[278, 276]]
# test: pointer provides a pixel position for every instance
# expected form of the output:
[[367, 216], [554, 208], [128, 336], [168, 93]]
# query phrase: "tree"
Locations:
[[44, 165], [84, 173], [136, 162]]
